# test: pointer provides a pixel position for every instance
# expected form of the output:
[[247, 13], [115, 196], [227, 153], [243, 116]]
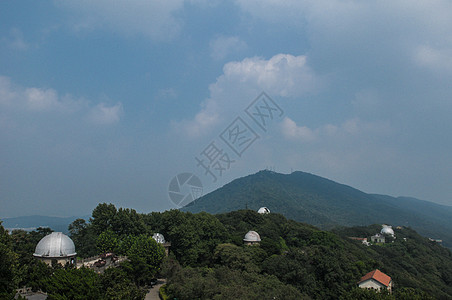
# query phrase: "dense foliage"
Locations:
[[8, 264], [208, 259], [324, 203]]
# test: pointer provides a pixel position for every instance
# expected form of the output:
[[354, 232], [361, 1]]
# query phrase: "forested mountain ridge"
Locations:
[[209, 260], [324, 203]]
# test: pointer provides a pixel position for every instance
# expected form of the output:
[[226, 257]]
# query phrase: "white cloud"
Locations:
[[33, 99], [7, 95], [41, 99], [349, 129], [274, 10], [291, 131], [223, 46], [351, 32], [103, 114], [14, 98], [154, 19], [15, 40], [436, 59], [283, 75]]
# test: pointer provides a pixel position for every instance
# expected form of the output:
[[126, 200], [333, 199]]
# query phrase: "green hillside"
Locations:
[[324, 203], [208, 259]]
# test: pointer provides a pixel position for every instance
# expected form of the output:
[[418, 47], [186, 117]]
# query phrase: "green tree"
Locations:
[[129, 222], [34, 274], [8, 265], [103, 217], [77, 284], [84, 238], [145, 257], [117, 285], [193, 236], [107, 241], [236, 257]]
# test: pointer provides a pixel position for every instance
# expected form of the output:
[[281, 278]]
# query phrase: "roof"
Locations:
[[252, 236], [263, 210], [378, 236], [386, 229], [159, 238], [357, 238], [55, 245], [377, 275]]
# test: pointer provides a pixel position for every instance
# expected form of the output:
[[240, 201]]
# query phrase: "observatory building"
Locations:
[[56, 246], [263, 211], [159, 238], [387, 230], [252, 238]]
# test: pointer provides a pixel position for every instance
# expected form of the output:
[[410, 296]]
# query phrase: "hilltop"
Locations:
[[324, 203]]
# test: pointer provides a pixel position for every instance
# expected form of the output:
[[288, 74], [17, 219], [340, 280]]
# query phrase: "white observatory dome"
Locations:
[[263, 210], [387, 230], [159, 238], [55, 245], [252, 236]]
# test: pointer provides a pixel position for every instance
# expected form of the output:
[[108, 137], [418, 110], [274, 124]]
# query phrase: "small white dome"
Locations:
[[263, 210], [159, 238], [252, 236], [55, 245], [387, 230]]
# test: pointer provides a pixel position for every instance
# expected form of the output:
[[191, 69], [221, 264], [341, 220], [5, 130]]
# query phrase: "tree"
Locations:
[[117, 285], [107, 241], [145, 257], [235, 257], [77, 284], [34, 274], [84, 238], [8, 264], [128, 222], [102, 217], [193, 236]]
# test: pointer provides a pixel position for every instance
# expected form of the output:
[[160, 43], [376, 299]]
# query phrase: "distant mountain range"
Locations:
[[59, 224], [324, 203]]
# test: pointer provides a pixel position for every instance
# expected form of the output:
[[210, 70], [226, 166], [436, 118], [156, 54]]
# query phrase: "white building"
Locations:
[[387, 230], [56, 246], [378, 238], [159, 238], [252, 238], [263, 211], [376, 280]]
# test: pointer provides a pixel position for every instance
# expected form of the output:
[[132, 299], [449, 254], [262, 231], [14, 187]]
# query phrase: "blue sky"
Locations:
[[107, 101]]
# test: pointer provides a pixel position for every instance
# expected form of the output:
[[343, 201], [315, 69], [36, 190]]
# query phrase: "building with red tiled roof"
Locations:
[[376, 280]]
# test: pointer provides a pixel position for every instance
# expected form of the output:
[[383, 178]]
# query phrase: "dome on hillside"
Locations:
[[252, 236], [159, 238], [263, 210], [56, 244], [387, 230]]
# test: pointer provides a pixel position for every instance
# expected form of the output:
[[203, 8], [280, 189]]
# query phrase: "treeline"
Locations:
[[209, 261]]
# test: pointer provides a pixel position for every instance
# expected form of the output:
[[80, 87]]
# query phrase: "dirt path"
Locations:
[[154, 292]]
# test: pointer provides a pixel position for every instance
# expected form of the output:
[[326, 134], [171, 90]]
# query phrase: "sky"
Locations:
[[109, 101]]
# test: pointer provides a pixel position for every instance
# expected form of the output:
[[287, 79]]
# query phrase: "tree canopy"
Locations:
[[208, 259]]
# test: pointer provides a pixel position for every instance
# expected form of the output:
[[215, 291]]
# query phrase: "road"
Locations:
[[154, 292]]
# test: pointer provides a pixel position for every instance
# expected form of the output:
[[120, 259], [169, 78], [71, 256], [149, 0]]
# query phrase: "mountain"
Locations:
[[32, 222], [324, 203]]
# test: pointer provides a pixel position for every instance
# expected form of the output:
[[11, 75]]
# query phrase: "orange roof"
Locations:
[[378, 276]]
